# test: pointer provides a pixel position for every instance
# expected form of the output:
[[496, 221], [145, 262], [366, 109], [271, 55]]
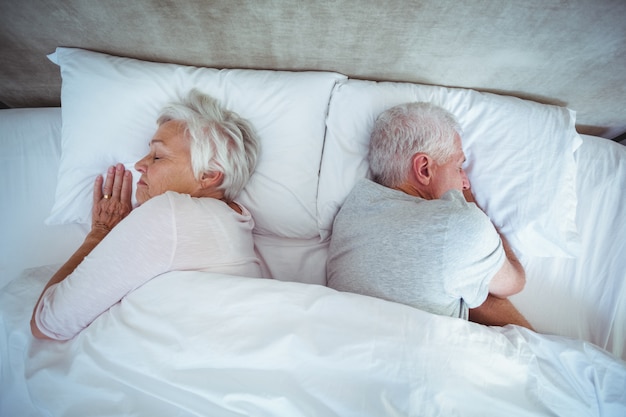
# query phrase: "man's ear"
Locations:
[[422, 168], [211, 179]]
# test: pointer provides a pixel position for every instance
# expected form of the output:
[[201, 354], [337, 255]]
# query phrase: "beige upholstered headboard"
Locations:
[[565, 52]]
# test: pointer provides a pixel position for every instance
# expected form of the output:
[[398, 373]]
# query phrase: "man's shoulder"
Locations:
[[368, 190], [466, 217], [365, 186], [455, 202], [456, 197], [366, 202]]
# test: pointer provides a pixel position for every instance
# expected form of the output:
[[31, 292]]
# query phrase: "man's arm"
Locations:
[[497, 310], [511, 278]]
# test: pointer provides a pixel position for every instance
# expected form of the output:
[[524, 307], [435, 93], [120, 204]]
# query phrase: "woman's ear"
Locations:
[[422, 168], [211, 179]]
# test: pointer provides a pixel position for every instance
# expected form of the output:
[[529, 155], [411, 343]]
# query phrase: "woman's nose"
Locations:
[[141, 164]]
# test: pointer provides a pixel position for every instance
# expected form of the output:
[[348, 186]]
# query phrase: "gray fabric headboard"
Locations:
[[570, 53]]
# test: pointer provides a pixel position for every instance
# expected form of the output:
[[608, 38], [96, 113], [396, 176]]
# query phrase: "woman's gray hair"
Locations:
[[221, 141], [404, 130]]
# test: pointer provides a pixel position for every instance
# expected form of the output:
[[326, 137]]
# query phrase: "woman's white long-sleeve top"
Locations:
[[167, 233]]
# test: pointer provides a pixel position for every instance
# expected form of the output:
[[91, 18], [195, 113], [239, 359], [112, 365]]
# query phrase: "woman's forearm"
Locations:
[[111, 204], [91, 241]]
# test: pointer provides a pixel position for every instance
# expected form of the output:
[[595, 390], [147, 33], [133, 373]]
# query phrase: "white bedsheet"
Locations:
[[199, 344], [30, 149], [585, 297]]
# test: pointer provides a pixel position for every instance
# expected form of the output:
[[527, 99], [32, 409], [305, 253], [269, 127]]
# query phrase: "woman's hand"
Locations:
[[111, 200]]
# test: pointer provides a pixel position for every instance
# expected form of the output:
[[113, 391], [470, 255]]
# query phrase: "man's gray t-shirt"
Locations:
[[435, 255]]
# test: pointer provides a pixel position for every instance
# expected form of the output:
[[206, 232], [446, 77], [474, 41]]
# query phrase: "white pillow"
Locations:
[[110, 105], [520, 158]]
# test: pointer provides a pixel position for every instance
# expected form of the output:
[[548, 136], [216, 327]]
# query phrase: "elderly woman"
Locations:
[[200, 158]]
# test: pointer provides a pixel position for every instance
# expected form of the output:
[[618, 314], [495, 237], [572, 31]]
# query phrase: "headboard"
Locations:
[[570, 53]]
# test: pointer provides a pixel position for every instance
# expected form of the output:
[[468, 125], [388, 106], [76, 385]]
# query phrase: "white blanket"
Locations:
[[199, 344]]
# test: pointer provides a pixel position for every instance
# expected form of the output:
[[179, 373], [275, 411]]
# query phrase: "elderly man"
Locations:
[[413, 235]]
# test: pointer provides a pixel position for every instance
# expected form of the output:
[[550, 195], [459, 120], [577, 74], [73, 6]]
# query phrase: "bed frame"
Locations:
[[568, 53]]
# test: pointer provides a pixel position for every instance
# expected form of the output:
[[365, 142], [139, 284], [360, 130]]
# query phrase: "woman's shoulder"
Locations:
[[184, 202], [160, 201], [172, 198], [165, 204]]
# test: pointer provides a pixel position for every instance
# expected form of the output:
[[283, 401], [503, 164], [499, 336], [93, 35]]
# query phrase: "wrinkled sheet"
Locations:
[[200, 344]]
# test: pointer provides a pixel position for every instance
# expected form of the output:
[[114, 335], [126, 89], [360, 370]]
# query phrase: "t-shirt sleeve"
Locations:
[[475, 254], [139, 248]]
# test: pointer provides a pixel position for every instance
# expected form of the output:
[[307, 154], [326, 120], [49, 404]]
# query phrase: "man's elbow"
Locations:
[[508, 281], [36, 332], [520, 281], [516, 285]]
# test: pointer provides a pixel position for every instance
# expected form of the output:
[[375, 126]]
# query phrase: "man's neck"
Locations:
[[411, 189]]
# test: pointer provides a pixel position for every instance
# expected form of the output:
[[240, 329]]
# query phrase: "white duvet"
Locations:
[[200, 344]]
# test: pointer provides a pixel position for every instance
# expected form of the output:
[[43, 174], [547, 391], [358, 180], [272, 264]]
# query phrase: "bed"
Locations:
[[192, 343]]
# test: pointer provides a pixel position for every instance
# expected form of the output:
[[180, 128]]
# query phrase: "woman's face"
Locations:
[[167, 167]]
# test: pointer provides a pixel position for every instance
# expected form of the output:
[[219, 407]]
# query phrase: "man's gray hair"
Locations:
[[221, 141], [404, 130]]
